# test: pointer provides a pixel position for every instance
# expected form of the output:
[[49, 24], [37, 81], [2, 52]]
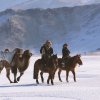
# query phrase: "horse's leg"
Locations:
[[35, 74], [59, 72], [74, 75], [18, 78], [48, 79], [51, 76], [8, 74], [67, 74], [42, 79]]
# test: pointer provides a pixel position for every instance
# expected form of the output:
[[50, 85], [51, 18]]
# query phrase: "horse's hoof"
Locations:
[[42, 81], [52, 83], [11, 82], [47, 82], [37, 82], [18, 79], [60, 80], [67, 81]]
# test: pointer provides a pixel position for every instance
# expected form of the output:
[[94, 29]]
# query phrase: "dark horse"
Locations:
[[69, 66], [50, 68]]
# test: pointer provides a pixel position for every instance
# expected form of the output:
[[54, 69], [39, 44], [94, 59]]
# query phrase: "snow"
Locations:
[[87, 86]]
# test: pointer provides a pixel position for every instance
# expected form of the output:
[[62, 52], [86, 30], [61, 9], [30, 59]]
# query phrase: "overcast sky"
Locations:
[[4, 4], [9, 3]]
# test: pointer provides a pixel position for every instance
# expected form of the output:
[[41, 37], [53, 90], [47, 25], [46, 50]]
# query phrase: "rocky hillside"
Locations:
[[78, 26]]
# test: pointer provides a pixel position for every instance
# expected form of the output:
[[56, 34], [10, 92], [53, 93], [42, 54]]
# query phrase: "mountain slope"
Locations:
[[78, 26]]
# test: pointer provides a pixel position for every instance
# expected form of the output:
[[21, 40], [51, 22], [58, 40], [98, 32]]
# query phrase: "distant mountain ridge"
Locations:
[[29, 4], [78, 26]]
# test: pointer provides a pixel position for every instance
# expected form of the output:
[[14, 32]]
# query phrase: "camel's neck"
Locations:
[[26, 61]]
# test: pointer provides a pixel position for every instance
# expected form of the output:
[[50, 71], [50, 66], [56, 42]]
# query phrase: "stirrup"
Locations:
[[63, 64]]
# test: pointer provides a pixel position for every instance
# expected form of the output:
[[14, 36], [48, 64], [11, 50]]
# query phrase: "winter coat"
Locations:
[[65, 53]]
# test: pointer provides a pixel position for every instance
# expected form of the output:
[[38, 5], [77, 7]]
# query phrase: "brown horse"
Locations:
[[20, 63], [4, 63], [50, 68], [69, 66]]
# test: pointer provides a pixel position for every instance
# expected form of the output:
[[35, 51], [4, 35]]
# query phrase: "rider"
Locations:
[[46, 52], [65, 53]]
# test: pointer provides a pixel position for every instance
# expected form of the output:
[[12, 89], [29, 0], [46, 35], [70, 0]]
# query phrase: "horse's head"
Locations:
[[78, 59], [55, 59]]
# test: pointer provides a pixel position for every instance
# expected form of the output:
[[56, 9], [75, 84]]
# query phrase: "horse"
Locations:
[[20, 64], [69, 66], [49, 68]]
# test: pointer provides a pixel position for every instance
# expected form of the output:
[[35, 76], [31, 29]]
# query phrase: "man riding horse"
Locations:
[[65, 54], [46, 52]]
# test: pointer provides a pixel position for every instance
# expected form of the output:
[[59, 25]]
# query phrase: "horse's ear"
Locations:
[[31, 54], [79, 55]]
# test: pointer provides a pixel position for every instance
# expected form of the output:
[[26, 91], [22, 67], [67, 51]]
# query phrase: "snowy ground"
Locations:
[[87, 86]]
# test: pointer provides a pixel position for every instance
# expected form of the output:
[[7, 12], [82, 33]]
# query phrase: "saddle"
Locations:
[[45, 62], [65, 61]]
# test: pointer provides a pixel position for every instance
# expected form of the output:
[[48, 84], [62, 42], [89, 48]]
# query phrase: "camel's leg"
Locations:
[[67, 74], [15, 74], [15, 81], [8, 74], [74, 76], [1, 68], [14, 71], [18, 78], [42, 79], [59, 72]]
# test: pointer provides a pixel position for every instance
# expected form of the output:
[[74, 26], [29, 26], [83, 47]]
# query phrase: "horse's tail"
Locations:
[[35, 71]]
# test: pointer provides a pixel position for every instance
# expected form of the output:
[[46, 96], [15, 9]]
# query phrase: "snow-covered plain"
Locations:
[[87, 86]]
